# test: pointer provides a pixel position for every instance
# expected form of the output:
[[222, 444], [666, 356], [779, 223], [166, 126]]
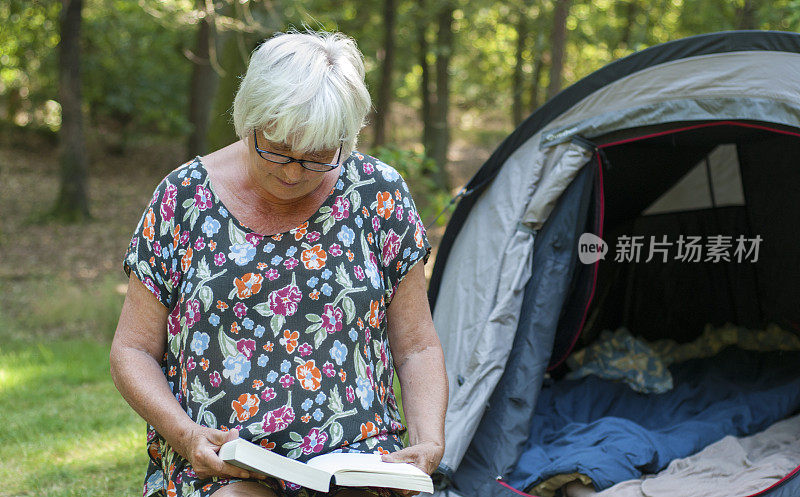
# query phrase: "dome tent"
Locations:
[[697, 136]]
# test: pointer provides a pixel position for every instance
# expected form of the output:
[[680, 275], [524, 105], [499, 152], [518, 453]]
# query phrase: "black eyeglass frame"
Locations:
[[322, 166]]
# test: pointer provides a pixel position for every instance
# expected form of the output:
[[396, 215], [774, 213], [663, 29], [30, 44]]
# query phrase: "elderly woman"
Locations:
[[276, 287]]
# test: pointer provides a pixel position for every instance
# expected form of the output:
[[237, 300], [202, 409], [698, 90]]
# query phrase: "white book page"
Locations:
[[367, 463]]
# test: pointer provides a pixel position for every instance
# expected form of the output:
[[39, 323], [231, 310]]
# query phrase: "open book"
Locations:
[[348, 470]]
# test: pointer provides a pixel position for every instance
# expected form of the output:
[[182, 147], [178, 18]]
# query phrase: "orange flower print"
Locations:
[[152, 261], [418, 235], [374, 319], [186, 181], [382, 451], [350, 255], [314, 295], [262, 265], [305, 418], [369, 238], [268, 346], [221, 305], [204, 364], [368, 429], [172, 371], [342, 375], [212, 245], [360, 324], [397, 195], [385, 204], [235, 328], [186, 260], [246, 406], [248, 285], [365, 211], [257, 384], [267, 444], [171, 491], [277, 237], [289, 340], [309, 376], [314, 258], [300, 231], [176, 236], [149, 231], [378, 419]]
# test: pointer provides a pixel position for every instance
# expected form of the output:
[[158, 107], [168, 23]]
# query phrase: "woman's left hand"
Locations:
[[424, 455]]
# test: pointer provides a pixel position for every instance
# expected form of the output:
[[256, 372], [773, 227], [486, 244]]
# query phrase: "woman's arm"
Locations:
[[136, 352], [419, 363]]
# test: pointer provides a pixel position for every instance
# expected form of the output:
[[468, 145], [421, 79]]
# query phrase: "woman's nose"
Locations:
[[293, 172]]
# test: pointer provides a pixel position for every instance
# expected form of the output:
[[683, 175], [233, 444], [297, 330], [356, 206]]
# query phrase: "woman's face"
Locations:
[[289, 181]]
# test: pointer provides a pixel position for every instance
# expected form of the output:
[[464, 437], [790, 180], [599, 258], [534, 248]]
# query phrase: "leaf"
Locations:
[[263, 309], [336, 432], [233, 418], [295, 436], [320, 337], [207, 296], [355, 200], [328, 224], [361, 365], [314, 327], [166, 227], [276, 323], [342, 277], [256, 428], [144, 269], [314, 318], [236, 235], [325, 209], [349, 309], [199, 393], [203, 271], [352, 173], [188, 203], [210, 420], [371, 442], [191, 210], [175, 345], [294, 454], [227, 344], [335, 400]]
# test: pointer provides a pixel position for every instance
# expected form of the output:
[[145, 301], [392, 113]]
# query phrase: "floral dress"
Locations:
[[282, 337]]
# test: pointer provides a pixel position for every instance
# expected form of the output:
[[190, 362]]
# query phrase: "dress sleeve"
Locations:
[[403, 241], [152, 253]]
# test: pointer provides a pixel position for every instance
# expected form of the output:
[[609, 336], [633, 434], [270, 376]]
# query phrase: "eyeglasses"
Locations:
[[311, 165]]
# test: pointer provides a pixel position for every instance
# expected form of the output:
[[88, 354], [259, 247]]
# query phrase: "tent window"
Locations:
[[715, 181]]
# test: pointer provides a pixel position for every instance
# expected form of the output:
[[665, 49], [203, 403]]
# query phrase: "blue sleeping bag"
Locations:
[[605, 430]]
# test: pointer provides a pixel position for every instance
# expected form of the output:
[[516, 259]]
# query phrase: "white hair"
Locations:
[[304, 89]]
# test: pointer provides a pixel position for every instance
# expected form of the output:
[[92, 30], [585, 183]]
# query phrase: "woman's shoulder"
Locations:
[[373, 172]]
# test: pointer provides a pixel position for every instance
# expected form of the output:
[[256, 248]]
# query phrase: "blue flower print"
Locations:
[[272, 376], [182, 173], [223, 212], [312, 282], [406, 252], [248, 323], [388, 172], [200, 342], [210, 226], [339, 185], [259, 331], [327, 289], [213, 319], [276, 260], [346, 235], [263, 359], [237, 368], [291, 251], [364, 392], [326, 274], [338, 352], [242, 253], [372, 273], [353, 334], [321, 397], [359, 221], [285, 365], [317, 414], [196, 174], [406, 203], [307, 404], [269, 247]]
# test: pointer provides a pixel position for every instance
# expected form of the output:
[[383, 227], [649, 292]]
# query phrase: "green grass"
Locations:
[[65, 429]]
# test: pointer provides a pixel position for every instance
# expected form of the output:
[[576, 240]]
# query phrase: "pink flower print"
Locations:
[[190, 364], [268, 394], [376, 223], [174, 277], [246, 346], [286, 380], [192, 312], [168, 203], [314, 441], [219, 258], [368, 168], [284, 301], [411, 217], [305, 349], [313, 236], [359, 273], [278, 419], [399, 212], [184, 237], [240, 309], [148, 282], [174, 321], [215, 379], [253, 238], [290, 263], [332, 318], [335, 250], [328, 369], [341, 208], [199, 244], [350, 393], [384, 356], [272, 274], [292, 486], [202, 197], [157, 247], [391, 247]]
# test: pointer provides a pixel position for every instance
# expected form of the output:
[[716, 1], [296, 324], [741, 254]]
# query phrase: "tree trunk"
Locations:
[[440, 139], [385, 88], [425, 82], [517, 86], [538, 70], [72, 203], [558, 45], [204, 83], [746, 15]]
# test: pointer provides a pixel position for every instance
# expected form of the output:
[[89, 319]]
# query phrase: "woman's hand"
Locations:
[[424, 455], [201, 448]]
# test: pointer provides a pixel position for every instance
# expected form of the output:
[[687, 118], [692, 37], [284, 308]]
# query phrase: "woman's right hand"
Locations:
[[201, 448]]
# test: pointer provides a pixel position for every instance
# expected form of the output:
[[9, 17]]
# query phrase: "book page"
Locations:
[[367, 463]]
